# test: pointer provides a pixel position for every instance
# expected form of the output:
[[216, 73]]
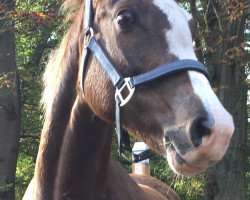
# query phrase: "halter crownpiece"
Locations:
[[91, 45]]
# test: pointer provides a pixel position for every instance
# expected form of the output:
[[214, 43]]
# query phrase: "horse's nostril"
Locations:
[[199, 128]]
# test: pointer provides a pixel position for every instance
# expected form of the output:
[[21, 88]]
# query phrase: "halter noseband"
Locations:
[[130, 83]]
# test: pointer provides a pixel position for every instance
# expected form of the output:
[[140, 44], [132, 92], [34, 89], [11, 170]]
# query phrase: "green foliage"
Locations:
[[187, 188], [24, 173], [5, 187]]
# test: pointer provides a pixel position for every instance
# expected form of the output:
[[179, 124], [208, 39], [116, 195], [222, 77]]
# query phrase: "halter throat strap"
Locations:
[[91, 45]]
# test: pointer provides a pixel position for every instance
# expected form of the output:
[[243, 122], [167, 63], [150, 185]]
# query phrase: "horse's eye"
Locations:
[[125, 19]]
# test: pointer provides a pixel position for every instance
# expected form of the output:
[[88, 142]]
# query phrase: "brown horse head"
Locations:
[[178, 116]]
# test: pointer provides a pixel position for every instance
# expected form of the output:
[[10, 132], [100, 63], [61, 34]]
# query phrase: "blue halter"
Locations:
[[129, 83]]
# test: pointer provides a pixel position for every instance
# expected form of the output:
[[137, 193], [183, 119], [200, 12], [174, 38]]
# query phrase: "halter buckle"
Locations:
[[89, 33], [125, 92]]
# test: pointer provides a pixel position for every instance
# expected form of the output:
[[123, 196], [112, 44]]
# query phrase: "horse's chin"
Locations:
[[182, 168]]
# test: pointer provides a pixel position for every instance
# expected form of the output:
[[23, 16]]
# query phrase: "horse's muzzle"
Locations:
[[205, 144]]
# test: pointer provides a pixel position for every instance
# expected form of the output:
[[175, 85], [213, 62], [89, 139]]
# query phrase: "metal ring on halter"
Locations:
[[89, 33]]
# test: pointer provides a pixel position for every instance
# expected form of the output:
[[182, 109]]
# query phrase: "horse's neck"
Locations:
[[73, 157]]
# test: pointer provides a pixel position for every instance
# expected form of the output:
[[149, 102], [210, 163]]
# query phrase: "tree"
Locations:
[[227, 60], [221, 44], [9, 103]]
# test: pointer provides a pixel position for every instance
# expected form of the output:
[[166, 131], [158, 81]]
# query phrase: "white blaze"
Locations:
[[179, 40]]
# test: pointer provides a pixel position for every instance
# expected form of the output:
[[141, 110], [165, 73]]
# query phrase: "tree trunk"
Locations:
[[9, 104], [225, 56]]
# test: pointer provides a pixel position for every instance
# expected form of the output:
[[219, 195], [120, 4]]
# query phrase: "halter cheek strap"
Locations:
[[129, 84]]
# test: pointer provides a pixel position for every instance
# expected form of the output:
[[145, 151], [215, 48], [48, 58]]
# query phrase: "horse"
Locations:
[[169, 103]]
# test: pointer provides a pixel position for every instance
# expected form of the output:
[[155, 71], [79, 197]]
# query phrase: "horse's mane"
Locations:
[[64, 57], [53, 74]]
